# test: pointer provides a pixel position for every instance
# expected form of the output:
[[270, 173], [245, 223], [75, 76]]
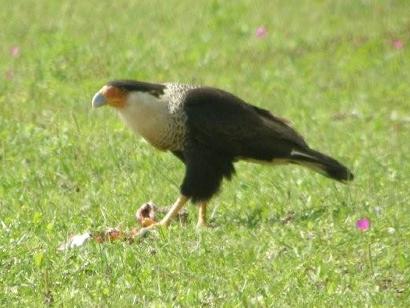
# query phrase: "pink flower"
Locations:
[[15, 51], [363, 224], [261, 32], [398, 44]]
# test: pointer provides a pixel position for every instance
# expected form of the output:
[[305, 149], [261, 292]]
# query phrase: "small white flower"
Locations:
[[391, 230]]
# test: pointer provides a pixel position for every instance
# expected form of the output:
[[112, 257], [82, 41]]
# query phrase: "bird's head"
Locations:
[[119, 93]]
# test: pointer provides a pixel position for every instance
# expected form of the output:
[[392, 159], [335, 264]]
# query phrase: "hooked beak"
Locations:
[[99, 100]]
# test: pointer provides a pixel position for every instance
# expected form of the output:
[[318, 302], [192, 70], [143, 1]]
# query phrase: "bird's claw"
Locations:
[[202, 225], [153, 227]]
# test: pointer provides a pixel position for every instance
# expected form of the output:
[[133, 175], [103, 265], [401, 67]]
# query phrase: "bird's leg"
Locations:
[[202, 215], [173, 211]]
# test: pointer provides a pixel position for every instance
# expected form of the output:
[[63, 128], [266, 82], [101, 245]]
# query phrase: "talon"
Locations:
[[145, 230], [202, 225]]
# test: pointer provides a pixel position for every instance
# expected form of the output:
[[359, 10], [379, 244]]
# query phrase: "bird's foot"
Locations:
[[150, 228], [202, 225]]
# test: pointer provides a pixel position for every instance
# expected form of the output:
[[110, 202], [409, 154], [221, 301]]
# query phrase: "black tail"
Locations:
[[321, 163]]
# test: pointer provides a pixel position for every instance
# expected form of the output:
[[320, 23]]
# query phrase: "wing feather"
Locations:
[[226, 123]]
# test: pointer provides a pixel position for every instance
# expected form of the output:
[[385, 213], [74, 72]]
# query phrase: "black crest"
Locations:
[[154, 89]]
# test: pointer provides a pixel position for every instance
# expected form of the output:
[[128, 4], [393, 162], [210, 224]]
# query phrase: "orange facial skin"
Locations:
[[115, 97]]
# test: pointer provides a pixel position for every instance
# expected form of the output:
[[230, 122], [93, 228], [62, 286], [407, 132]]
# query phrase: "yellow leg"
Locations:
[[202, 215], [173, 211]]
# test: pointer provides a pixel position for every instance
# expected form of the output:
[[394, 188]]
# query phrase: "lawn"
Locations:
[[281, 236]]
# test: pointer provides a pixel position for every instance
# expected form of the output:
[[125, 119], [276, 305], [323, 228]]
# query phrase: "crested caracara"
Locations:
[[209, 130]]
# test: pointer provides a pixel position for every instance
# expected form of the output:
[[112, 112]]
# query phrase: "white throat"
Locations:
[[147, 116]]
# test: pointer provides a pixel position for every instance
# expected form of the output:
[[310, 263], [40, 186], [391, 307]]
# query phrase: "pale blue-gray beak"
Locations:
[[99, 100]]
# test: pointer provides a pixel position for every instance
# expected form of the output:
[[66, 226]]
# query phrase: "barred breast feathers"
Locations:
[[174, 94]]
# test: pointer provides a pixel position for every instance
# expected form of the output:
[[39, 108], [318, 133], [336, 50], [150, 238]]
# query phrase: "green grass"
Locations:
[[284, 236]]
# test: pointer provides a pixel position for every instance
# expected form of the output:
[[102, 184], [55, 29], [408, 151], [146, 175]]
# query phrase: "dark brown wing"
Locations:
[[226, 124]]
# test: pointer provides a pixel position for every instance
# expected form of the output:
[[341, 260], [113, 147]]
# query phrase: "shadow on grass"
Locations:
[[257, 216]]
